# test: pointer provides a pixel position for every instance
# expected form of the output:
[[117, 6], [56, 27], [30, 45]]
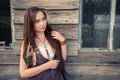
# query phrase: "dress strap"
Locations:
[[36, 49]]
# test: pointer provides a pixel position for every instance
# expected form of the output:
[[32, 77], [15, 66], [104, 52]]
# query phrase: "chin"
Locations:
[[42, 30]]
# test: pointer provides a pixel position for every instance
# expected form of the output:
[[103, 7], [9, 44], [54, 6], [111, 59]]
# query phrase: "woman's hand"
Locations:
[[57, 35], [53, 64]]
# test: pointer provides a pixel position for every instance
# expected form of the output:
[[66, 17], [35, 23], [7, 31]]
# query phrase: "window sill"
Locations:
[[98, 50]]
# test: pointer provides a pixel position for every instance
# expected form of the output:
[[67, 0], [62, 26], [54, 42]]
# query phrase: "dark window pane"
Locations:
[[5, 28], [96, 19], [116, 40]]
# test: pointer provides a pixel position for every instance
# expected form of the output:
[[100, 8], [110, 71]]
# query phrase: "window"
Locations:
[[116, 36], [97, 29], [5, 28]]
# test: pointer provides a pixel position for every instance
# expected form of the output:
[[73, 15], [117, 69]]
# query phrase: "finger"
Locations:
[[52, 32], [53, 37], [55, 32]]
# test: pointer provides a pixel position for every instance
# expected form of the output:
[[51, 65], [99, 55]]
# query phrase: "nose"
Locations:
[[41, 23]]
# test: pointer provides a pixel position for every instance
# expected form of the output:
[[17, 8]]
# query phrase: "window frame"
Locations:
[[110, 34]]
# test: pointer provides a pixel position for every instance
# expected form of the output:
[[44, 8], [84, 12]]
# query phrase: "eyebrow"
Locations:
[[42, 18]]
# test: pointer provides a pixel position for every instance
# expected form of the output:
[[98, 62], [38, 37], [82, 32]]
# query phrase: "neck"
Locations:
[[41, 35]]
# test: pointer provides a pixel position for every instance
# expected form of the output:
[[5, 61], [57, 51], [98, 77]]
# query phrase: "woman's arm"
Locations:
[[29, 72], [59, 37], [64, 49]]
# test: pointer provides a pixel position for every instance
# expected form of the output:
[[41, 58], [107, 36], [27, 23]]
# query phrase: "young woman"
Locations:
[[47, 48]]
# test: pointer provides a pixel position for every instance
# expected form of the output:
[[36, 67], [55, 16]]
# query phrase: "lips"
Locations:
[[43, 28]]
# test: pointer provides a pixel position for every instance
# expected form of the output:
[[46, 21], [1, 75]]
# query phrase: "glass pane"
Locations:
[[96, 20], [5, 25], [116, 40]]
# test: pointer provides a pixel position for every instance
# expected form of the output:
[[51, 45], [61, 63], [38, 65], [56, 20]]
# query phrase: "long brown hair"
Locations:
[[29, 35]]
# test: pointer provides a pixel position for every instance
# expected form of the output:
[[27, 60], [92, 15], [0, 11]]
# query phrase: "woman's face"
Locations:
[[40, 23]]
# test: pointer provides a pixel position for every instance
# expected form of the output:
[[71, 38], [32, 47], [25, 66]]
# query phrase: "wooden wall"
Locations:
[[62, 15]]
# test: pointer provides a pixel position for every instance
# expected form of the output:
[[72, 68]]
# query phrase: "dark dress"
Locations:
[[50, 74]]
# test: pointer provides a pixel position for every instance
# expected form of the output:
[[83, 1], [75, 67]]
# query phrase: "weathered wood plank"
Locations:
[[93, 77], [73, 77], [88, 58], [100, 53], [54, 16], [71, 44], [9, 59], [69, 31], [10, 77], [7, 51], [72, 69], [72, 48], [76, 69], [9, 70], [96, 58], [94, 61], [47, 4]]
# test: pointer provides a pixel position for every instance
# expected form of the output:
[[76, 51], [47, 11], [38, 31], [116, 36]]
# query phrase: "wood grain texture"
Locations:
[[68, 31], [54, 16], [9, 70], [77, 69], [47, 4], [96, 58]]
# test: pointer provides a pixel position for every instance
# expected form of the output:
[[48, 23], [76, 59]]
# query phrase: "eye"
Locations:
[[43, 18], [37, 21]]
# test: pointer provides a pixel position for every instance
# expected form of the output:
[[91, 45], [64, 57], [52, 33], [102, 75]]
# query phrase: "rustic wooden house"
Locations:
[[92, 30]]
